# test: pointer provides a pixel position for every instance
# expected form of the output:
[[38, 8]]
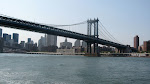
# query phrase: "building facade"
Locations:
[[146, 46], [5, 36], [77, 43], [66, 51], [51, 40], [22, 44], [7, 39], [84, 44], [15, 37], [1, 44], [29, 40], [41, 43], [66, 45], [0, 32], [136, 42]]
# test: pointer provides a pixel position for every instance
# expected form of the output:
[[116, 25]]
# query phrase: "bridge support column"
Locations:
[[95, 44], [94, 48], [89, 48], [95, 52]]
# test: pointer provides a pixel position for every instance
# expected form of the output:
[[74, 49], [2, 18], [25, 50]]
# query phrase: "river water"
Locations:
[[55, 69]]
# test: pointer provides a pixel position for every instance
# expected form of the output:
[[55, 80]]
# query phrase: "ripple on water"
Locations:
[[45, 69]]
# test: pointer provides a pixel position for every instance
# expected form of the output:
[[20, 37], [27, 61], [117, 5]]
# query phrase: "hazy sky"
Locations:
[[123, 18]]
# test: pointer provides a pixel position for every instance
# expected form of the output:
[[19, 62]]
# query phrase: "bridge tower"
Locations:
[[95, 52]]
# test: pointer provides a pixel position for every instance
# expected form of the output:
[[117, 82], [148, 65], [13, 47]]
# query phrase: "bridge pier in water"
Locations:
[[92, 51], [95, 52]]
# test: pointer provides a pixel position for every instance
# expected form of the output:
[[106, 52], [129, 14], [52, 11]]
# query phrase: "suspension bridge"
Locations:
[[91, 38]]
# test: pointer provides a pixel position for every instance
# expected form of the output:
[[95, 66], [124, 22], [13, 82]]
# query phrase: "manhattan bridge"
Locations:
[[94, 33]]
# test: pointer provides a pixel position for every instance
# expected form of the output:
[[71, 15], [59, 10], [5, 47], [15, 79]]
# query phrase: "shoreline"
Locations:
[[82, 54]]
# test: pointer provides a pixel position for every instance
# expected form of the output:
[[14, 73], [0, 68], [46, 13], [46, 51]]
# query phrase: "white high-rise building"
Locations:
[[41, 42], [77, 43], [51, 40], [84, 44]]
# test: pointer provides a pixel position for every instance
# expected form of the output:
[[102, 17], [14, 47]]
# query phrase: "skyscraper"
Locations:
[[0, 32], [8, 37], [41, 42], [84, 44], [5, 36], [136, 42], [29, 40], [77, 43], [15, 37], [22, 44], [51, 40]]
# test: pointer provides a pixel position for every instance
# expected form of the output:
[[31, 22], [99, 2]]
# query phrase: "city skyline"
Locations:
[[53, 38], [123, 22]]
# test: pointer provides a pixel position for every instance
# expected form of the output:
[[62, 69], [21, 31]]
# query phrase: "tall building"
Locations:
[[84, 44], [15, 37], [8, 37], [29, 40], [51, 40], [22, 44], [136, 42], [77, 43], [0, 32], [66, 45], [146, 46], [5, 36], [41, 42], [30, 45]]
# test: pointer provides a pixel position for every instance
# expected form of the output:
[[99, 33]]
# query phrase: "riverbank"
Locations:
[[102, 54]]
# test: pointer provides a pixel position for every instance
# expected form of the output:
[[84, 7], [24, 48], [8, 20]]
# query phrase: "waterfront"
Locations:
[[60, 69]]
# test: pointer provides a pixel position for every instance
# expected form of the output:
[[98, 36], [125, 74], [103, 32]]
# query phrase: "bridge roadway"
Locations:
[[36, 27]]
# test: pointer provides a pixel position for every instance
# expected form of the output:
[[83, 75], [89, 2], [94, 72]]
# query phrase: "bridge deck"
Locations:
[[30, 26]]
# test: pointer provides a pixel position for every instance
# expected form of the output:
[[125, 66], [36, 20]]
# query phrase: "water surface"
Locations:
[[55, 69]]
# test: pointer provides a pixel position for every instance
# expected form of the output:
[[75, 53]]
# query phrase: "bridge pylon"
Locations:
[[90, 24]]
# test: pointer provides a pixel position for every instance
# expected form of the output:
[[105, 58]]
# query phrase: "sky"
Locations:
[[124, 19]]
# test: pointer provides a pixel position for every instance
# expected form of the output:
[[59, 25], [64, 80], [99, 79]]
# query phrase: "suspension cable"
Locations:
[[108, 33], [102, 34], [69, 24], [105, 37]]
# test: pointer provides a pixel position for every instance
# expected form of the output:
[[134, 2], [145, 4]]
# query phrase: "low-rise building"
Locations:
[[66, 45], [66, 51]]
